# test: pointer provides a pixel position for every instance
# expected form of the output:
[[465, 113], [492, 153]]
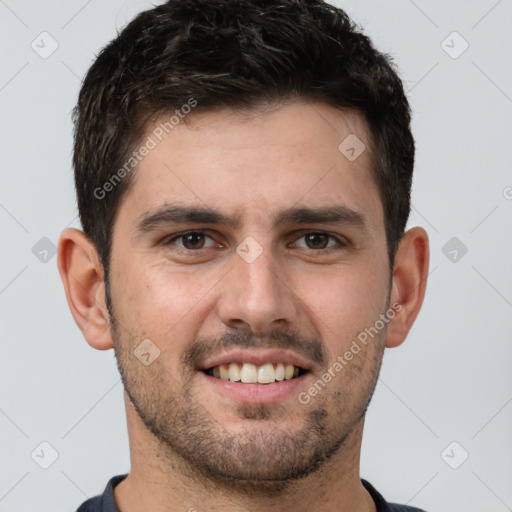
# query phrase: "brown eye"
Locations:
[[193, 240], [317, 240]]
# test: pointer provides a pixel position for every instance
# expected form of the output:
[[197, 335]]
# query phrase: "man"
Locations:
[[243, 173]]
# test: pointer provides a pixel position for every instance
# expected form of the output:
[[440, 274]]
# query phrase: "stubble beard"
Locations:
[[263, 457]]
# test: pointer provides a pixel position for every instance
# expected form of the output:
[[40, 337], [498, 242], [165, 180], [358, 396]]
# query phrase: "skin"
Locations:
[[191, 447]]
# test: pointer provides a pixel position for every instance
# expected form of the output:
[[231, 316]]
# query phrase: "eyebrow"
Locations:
[[171, 214]]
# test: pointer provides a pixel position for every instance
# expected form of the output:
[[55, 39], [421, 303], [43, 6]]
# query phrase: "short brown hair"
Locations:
[[234, 54]]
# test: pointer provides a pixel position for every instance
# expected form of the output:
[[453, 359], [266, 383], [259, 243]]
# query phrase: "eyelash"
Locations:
[[341, 243]]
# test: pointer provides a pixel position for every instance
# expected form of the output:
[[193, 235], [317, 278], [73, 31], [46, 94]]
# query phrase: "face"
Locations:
[[251, 239]]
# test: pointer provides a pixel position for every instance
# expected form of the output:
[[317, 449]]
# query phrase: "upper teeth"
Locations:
[[250, 373]]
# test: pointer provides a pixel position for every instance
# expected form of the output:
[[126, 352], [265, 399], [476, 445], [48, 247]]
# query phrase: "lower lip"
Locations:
[[257, 393]]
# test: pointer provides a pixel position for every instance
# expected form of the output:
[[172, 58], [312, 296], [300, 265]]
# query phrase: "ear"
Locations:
[[82, 275], [409, 283]]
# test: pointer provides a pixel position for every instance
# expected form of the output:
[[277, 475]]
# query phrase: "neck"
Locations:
[[168, 483]]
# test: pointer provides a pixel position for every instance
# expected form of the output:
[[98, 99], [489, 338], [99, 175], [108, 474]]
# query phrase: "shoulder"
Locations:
[[104, 502], [91, 505], [382, 505]]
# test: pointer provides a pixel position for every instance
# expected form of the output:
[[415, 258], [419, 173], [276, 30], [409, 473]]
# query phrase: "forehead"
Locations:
[[254, 163]]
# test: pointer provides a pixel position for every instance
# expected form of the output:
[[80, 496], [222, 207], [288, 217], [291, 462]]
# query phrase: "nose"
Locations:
[[258, 295]]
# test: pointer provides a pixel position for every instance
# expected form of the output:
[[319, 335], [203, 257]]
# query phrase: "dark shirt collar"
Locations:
[[106, 502]]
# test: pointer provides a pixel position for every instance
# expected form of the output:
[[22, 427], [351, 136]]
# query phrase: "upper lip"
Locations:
[[257, 357]]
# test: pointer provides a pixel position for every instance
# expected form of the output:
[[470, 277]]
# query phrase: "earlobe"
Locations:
[[82, 276], [409, 284]]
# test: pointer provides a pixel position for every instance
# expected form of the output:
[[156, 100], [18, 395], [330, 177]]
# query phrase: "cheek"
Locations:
[[344, 301], [160, 301]]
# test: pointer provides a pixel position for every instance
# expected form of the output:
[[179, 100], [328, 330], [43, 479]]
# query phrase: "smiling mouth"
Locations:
[[248, 373]]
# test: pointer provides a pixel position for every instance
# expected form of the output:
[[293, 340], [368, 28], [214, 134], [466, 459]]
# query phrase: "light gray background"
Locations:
[[450, 381]]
